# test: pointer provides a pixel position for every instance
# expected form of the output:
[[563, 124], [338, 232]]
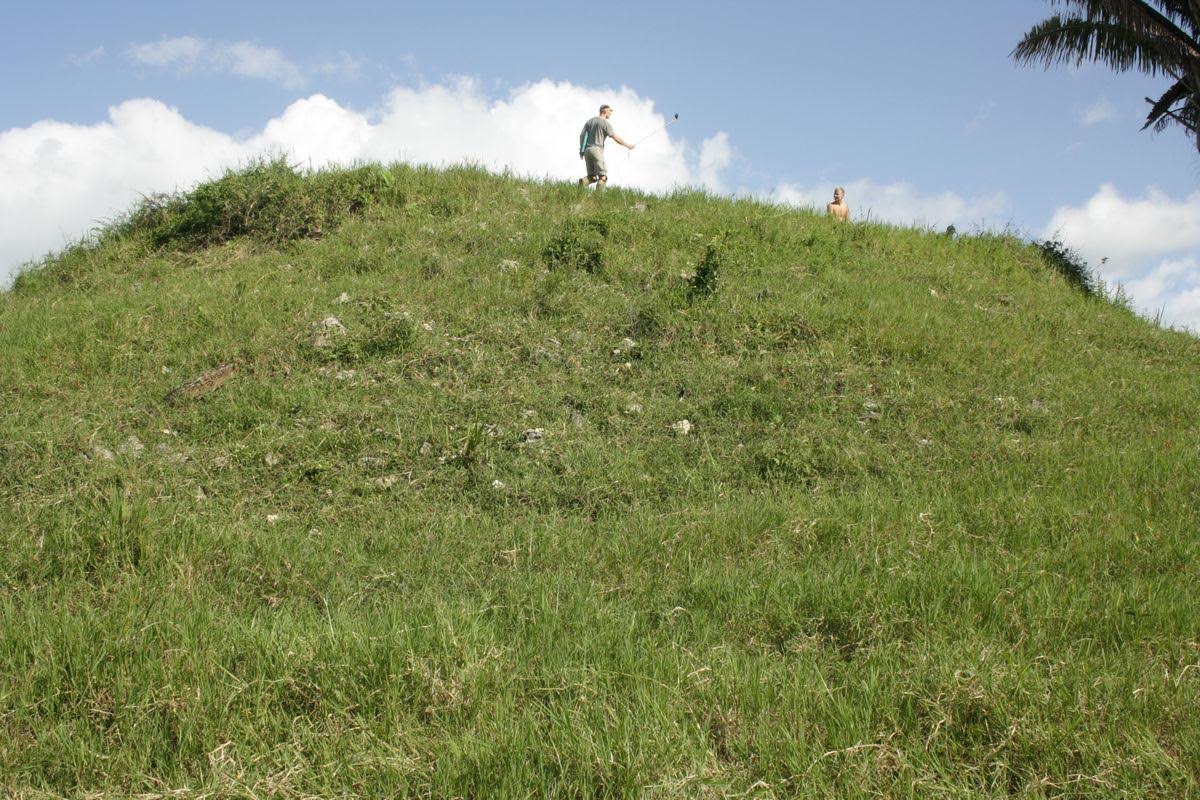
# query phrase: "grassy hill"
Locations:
[[516, 490]]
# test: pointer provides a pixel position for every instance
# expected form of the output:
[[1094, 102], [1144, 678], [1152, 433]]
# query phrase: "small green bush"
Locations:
[[708, 271], [1070, 265], [379, 336], [579, 246]]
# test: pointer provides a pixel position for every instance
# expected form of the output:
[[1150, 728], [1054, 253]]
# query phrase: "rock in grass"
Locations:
[[372, 463], [532, 435], [682, 428], [102, 454], [204, 384], [132, 447], [325, 332]]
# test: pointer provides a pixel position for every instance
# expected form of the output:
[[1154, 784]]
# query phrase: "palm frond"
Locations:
[[1151, 36], [1074, 40], [1142, 16], [1161, 107]]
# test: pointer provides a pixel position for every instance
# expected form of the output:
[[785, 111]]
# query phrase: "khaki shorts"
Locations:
[[593, 157]]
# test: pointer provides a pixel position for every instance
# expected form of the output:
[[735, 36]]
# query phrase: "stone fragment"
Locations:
[[326, 332], [201, 385], [372, 462]]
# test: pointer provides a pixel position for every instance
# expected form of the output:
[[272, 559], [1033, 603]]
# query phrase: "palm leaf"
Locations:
[[1074, 40], [1160, 109]]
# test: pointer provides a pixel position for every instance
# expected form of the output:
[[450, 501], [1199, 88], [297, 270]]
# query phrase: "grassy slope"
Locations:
[[933, 533]]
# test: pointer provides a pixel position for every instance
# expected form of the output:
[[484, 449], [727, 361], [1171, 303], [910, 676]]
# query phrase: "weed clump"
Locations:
[[269, 201], [721, 251], [579, 246], [1070, 265], [379, 336]]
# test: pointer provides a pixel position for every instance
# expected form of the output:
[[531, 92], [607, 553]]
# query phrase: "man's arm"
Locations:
[[613, 135]]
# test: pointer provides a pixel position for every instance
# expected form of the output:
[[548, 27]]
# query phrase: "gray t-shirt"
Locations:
[[594, 132]]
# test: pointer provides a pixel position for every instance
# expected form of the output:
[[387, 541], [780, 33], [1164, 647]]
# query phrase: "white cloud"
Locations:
[[1129, 231], [981, 116], [1150, 245], [189, 54], [267, 63], [343, 65], [715, 156], [1099, 111], [902, 204], [59, 180], [1171, 292], [90, 57], [185, 52]]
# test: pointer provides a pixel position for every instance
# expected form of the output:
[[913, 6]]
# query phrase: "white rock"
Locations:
[[272, 459], [325, 331], [532, 435], [342, 299], [273, 518], [683, 427], [633, 408], [497, 485]]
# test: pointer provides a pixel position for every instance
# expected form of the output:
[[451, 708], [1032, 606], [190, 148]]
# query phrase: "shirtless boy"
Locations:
[[838, 208]]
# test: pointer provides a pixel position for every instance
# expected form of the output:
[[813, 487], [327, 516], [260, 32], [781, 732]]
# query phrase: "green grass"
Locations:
[[932, 534]]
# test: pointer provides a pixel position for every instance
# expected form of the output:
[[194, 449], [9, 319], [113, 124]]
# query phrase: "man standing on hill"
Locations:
[[591, 146]]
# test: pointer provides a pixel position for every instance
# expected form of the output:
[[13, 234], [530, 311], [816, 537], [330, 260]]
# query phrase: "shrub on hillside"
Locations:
[[722, 251], [1070, 265], [268, 201], [579, 245]]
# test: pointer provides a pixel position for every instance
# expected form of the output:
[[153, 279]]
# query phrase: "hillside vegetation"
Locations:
[[518, 490]]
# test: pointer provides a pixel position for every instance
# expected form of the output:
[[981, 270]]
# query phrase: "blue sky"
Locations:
[[914, 106]]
